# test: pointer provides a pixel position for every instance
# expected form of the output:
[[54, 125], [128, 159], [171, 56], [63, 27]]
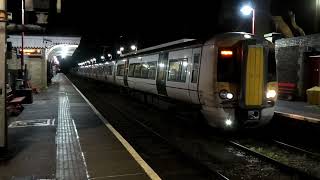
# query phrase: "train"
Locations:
[[232, 76]]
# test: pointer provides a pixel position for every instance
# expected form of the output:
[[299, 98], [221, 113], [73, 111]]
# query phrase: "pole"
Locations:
[[253, 21], [22, 39], [3, 117]]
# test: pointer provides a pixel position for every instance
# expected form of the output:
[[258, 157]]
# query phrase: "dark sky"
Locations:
[[146, 23]]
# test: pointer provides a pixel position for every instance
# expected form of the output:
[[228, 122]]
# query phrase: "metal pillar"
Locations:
[[3, 118]]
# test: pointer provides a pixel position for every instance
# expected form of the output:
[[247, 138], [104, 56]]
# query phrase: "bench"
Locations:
[[14, 104], [286, 90]]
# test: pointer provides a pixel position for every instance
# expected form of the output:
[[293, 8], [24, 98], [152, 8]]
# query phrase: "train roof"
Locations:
[[165, 46]]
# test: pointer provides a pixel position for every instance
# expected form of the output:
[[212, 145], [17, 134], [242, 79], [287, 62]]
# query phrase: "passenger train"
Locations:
[[231, 76]]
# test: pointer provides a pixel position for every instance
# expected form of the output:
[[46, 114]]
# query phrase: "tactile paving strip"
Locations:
[[71, 163]]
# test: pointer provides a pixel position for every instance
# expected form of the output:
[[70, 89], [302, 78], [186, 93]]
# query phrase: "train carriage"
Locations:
[[231, 76]]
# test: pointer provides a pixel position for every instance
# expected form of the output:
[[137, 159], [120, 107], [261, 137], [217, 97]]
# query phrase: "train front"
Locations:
[[245, 81]]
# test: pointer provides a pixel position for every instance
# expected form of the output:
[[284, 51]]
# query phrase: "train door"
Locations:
[[125, 75], [162, 73], [194, 75]]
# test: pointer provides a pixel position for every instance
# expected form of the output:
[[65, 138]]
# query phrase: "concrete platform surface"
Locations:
[[298, 110], [61, 136]]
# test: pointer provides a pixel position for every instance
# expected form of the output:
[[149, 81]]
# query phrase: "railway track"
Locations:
[[135, 127], [151, 143], [304, 163]]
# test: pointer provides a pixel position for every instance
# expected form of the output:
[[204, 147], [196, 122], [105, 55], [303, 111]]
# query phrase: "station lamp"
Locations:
[[133, 47], [247, 10]]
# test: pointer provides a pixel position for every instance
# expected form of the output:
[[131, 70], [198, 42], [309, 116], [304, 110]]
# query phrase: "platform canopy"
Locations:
[[62, 46]]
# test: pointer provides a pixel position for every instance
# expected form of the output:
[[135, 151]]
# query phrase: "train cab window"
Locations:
[[195, 68], [131, 70], [152, 70], [178, 70], [137, 71], [228, 67], [272, 67], [120, 70]]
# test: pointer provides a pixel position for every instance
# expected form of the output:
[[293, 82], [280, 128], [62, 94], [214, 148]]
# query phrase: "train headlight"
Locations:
[[229, 96], [224, 94], [271, 94]]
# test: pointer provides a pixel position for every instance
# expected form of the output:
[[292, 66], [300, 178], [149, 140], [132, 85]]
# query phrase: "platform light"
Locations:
[[119, 52], [228, 122], [103, 58], [121, 49], [133, 47], [161, 65], [185, 64], [246, 10]]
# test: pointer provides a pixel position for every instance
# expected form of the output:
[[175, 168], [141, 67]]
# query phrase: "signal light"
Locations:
[[226, 53]]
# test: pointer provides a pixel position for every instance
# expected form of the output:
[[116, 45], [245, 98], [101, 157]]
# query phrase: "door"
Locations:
[[194, 73], [162, 73], [315, 71]]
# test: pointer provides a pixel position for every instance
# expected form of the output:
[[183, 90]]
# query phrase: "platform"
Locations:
[[62, 136], [298, 110]]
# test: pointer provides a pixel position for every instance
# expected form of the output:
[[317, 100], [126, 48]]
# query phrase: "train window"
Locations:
[[195, 68], [109, 70], [178, 70], [131, 70], [120, 70], [152, 70], [137, 71], [272, 67], [144, 70]]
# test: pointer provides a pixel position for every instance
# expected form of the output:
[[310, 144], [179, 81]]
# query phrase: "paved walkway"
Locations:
[[62, 136], [298, 110]]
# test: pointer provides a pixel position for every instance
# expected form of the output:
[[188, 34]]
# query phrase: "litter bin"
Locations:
[[313, 95]]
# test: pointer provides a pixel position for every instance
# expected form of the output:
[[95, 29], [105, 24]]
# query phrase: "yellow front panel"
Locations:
[[254, 77]]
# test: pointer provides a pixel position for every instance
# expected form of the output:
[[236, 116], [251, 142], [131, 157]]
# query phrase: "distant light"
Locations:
[[246, 10], [228, 122], [102, 57], [161, 65], [64, 52], [133, 47], [140, 58], [247, 36], [121, 49], [109, 55], [118, 52], [185, 64]]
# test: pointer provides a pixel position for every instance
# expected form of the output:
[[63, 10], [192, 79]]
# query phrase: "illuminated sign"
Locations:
[[31, 52], [226, 53]]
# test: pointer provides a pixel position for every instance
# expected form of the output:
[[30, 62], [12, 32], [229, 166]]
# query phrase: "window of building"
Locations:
[[178, 70]]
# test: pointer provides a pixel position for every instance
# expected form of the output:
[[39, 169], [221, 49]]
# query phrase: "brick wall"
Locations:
[[290, 56]]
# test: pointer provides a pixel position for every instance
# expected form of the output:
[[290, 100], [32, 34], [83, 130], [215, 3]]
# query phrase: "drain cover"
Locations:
[[36, 122]]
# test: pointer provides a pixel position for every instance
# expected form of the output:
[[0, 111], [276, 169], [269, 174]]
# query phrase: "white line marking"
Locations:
[[299, 117], [149, 171]]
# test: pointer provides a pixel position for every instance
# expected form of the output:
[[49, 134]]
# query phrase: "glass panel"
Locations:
[[137, 71], [144, 70], [178, 70], [152, 70], [120, 70], [131, 70], [195, 68]]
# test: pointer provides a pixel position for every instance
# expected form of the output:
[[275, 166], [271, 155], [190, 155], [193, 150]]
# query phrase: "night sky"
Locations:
[[146, 23]]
